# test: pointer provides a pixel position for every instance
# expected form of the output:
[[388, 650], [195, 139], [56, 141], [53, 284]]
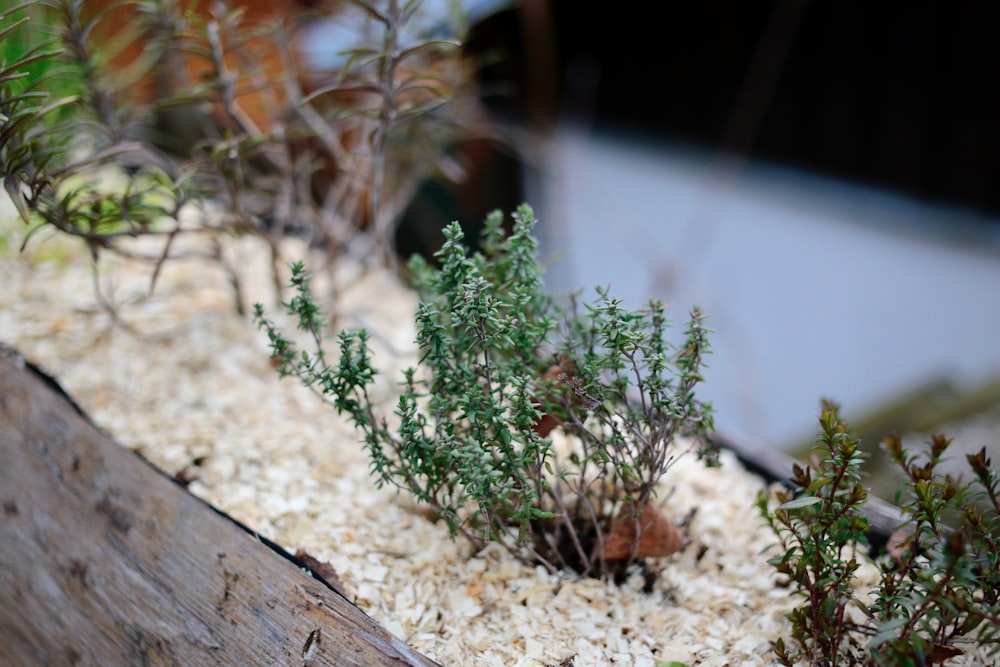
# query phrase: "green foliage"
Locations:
[[939, 583], [28, 42], [26, 109], [498, 358]]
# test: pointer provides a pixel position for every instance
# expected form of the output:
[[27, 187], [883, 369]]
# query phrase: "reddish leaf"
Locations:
[[657, 535]]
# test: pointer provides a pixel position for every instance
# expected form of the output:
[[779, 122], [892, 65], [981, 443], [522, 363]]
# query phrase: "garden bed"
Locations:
[[187, 382]]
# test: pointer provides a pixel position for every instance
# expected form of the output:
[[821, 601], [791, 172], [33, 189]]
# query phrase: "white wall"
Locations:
[[814, 288]]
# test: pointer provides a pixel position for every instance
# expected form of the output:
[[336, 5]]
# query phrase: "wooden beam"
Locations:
[[104, 560]]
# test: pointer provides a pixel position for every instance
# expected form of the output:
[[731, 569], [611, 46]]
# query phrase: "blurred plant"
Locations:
[[203, 122], [939, 587], [502, 366], [27, 47], [24, 108]]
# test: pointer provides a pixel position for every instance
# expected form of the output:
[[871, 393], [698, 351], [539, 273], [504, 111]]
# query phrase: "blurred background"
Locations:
[[822, 178]]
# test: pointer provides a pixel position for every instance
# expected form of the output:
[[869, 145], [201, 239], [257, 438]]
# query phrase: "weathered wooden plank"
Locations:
[[106, 561]]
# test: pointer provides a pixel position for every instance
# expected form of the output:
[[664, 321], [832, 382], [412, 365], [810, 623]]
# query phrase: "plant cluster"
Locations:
[[939, 580], [193, 119], [502, 366]]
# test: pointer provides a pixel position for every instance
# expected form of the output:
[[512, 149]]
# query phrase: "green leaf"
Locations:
[[888, 631], [13, 188], [800, 502]]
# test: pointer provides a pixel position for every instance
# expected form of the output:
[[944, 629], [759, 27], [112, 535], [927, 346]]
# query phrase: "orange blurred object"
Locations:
[[172, 70], [656, 534]]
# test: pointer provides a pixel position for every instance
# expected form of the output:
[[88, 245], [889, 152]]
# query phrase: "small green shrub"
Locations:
[[501, 364], [939, 584]]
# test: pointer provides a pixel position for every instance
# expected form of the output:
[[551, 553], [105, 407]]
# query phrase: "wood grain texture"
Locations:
[[106, 561]]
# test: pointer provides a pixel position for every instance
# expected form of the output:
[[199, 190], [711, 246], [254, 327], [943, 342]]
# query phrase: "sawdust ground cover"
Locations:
[[187, 382]]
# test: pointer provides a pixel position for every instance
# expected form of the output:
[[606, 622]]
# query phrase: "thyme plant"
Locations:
[[501, 366], [939, 582]]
